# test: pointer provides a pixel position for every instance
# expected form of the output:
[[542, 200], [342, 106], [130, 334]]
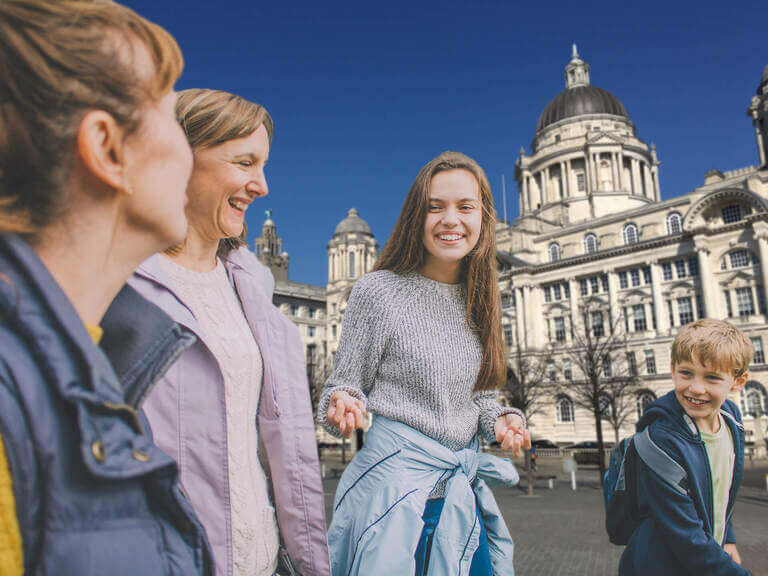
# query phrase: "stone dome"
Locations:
[[353, 223], [579, 101]]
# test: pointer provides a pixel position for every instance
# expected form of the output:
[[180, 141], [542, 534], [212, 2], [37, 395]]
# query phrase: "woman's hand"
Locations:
[[511, 433], [345, 413], [733, 552]]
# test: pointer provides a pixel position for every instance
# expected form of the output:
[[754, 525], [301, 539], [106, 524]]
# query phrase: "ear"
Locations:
[[100, 147], [739, 382]]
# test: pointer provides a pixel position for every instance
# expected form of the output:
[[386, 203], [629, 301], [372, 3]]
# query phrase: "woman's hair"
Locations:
[[405, 252], [58, 60], [212, 117]]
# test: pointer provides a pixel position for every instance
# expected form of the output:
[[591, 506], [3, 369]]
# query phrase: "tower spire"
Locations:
[[577, 71]]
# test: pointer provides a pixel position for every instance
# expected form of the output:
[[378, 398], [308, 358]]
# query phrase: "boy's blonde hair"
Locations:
[[713, 343]]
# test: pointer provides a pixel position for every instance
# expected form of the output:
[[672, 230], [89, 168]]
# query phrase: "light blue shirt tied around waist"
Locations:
[[381, 497]]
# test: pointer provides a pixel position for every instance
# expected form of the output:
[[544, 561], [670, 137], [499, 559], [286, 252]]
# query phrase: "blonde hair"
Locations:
[[59, 59], [405, 252], [713, 343], [212, 117]]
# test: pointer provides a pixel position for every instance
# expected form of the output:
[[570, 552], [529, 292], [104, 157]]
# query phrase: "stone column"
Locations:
[[535, 313], [761, 232], [527, 316], [573, 287], [613, 300], [656, 187], [615, 170], [662, 321], [524, 194], [709, 291], [635, 177], [596, 171], [588, 174], [547, 187], [648, 181], [568, 182], [520, 318]]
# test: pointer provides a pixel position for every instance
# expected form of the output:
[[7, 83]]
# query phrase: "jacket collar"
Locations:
[[668, 409], [51, 325]]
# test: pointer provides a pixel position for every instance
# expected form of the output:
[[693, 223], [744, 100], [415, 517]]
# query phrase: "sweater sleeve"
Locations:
[[363, 337], [490, 410]]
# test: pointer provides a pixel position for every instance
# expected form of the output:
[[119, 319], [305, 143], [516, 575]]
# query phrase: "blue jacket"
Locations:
[[381, 497], [675, 538], [93, 494]]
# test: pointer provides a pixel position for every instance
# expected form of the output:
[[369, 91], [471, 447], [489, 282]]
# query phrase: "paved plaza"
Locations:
[[560, 532]]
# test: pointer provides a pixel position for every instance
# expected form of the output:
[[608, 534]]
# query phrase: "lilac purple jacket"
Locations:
[[194, 384]]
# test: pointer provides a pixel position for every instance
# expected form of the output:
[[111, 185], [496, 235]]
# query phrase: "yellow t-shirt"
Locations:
[[721, 457]]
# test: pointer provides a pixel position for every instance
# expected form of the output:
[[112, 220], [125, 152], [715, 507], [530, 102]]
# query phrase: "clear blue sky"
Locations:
[[364, 93]]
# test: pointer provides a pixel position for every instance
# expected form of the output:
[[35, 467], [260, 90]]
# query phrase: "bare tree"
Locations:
[[604, 375], [528, 389]]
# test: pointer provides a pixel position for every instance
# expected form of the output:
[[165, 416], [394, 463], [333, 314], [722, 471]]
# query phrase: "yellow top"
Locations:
[[95, 332], [11, 559]]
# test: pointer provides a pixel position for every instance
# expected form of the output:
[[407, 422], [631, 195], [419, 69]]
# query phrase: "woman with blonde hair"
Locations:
[[421, 349], [243, 383], [93, 171]]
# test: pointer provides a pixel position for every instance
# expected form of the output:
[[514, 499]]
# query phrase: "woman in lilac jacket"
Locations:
[[234, 408]]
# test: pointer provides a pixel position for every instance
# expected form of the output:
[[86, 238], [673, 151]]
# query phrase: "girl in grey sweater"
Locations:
[[421, 342]]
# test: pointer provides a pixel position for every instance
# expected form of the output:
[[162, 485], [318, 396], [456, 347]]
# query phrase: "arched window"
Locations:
[[554, 252], [644, 400], [754, 400], [564, 408], [351, 264], [674, 223], [629, 234], [590, 243]]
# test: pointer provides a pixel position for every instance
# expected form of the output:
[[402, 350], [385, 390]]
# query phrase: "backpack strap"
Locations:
[[660, 462]]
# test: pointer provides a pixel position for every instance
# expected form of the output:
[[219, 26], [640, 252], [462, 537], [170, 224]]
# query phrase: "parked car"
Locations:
[[543, 443], [586, 452]]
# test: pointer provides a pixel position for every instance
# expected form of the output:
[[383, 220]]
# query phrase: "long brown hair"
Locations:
[[59, 59], [212, 117], [404, 252]]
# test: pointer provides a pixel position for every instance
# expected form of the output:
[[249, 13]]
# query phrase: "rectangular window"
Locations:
[[593, 285], [731, 214], [744, 301], [653, 316], [311, 312], [666, 269], [294, 309], [693, 267], [560, 329], [761, 299], [508, 334], [638, 313], [556, 290], [604, 282], [547, 294], [759, 357], [333, 308], [583, 286], [650, 362], [580, 184], [598, 329], [311, 331], [632, 363], [635, 274], [671, 311], [567, 372], [680, 268], [646, 274], [567, 290], [552, 371], [333, 331], [685, 310], [623, 279], [607, 368], [728, 307], [506, 301], [699, 306], [739, 258]]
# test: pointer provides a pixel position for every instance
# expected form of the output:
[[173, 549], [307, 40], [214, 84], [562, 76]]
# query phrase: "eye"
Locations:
[[245, 163], [685, 373], [434, 207], [466, 207]]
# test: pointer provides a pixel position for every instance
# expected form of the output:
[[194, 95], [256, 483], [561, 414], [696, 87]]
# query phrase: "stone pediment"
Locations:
[[605, 138], [694, 218], [740, 277]]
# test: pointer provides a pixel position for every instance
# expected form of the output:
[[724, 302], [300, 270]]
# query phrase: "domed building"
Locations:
[[596, 252]]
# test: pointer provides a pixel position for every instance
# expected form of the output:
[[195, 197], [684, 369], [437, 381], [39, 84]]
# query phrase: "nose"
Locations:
[[450, 217], [697, 386], [258, 186]]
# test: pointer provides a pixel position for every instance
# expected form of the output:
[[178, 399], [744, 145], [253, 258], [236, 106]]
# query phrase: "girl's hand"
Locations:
[[733, 552], [345, 413], [511, 433]]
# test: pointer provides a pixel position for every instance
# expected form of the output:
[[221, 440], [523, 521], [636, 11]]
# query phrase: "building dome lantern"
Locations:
[[353, 223]]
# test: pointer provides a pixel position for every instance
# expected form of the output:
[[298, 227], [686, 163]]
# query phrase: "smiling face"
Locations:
[[452, 224], [225, 180], [701, 391]]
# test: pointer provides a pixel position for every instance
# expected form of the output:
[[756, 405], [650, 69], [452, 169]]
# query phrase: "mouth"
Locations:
[[450, 237], [696, 402], [239, 205]]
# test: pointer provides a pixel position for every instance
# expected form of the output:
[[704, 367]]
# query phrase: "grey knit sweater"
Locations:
[[407, 351]]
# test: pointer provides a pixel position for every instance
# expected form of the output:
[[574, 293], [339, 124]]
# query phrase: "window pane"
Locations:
[[593, 285], [759, 357], [583, 286], [635, 274], [556, 289], [744, 301], [731, 214], [685, 311], [638, 313], [693, 267], [560, 329], [739, 258], [623, 279], [680, 268], [650, 362], [666, 269]]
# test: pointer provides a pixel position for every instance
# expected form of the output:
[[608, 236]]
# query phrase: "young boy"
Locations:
[[687, 525]]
